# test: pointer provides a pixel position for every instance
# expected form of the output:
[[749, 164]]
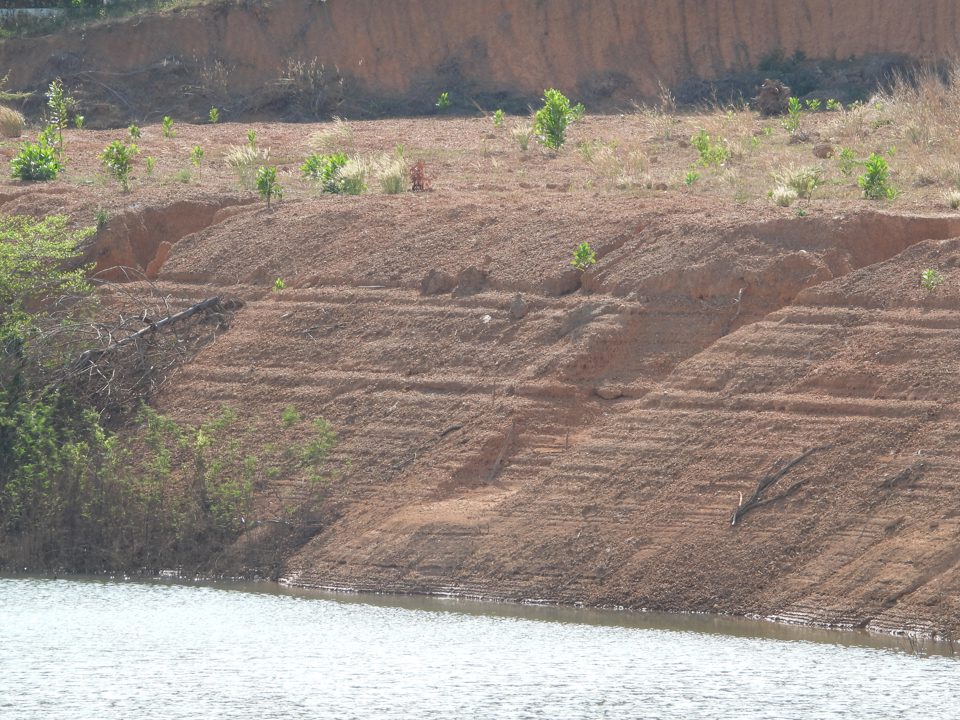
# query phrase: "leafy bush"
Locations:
[[710, 152], [930, 279], [875, 182], [551, 121], [166, 127], [691, 178], [117, 158], [794, 115], [59, 107], [443, 102], [134, 131], [324, 169], [583, 257], [196, 158], [847, 161], [498, 118], [214, 115], [267, 184], [803, 180], [36, 162], [151, 163]]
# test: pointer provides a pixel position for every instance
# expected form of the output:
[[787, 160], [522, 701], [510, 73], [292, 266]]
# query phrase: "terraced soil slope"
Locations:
[[515, 436], [510, 428]]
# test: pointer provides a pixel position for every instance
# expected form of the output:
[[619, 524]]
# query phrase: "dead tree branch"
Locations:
[[772, 476]]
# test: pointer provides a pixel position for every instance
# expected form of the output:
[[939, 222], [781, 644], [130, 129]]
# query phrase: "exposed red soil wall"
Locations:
[[599, 50]]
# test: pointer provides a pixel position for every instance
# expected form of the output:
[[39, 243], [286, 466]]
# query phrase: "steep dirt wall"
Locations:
[[399, 51]]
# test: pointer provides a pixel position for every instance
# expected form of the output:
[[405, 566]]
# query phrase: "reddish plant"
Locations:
[[418, 177]]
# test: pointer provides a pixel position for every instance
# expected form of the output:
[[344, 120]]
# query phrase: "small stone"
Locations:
[[471, 280], [608, 392], [437, 281], [823, 150], [518, 307], [660, 186]]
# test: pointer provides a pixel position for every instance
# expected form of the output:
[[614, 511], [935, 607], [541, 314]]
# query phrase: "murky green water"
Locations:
[[103, 650]]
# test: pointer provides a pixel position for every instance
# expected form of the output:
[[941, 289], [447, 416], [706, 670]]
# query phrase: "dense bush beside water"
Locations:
[[77, 495]]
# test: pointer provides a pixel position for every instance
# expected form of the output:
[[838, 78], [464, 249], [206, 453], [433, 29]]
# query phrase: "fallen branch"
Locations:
[[768, 480], [89, 357]]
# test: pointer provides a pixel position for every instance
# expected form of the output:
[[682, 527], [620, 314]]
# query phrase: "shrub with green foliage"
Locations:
[[166, 127], [267, 184], [875, 182], [711, 152], [117, 158], [75, 496], [36, 162], [551, 121], [335, 173], [583, 257]]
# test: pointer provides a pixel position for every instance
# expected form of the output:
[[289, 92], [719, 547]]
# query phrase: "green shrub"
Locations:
[[794, 115], [875, 182], [166, 127], [196, 158], [134, 131], [59, 107], [267, 184], [214, 115], [336, 173], [583, 257], [930, 279], [691, 178], [710, 152], [151, 163], [36, 162], [498, 118], [117, 158], [551, 121], [847, 161], [443, 102]]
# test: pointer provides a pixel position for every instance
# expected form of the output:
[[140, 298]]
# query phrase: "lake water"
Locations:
[[106, 649]]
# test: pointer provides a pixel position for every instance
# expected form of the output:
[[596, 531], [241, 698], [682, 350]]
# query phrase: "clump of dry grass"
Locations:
[[622, 168], [11, 123], [521, 133], [392, 173], [336, 137], [802, 180], [952, 199], [244, 161], [783, 196]]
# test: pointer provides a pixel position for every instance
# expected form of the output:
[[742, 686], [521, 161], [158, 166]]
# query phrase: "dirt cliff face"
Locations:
[[402, 54]]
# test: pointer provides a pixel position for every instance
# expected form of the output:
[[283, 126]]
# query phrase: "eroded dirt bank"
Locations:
[[400, 55], [594, 449], [515, 430]]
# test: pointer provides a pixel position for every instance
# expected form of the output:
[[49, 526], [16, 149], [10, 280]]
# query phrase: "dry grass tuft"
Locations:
[[244, 161], [11, 123]]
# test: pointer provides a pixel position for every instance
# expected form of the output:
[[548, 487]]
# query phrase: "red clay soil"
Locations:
[[516, 431], [403, 54]]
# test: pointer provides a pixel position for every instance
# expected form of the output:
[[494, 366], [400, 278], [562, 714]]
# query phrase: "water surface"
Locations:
[[104, 649]]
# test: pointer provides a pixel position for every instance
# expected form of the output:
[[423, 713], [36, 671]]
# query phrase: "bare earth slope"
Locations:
[[405, 53], [515, 430], [594, 450]]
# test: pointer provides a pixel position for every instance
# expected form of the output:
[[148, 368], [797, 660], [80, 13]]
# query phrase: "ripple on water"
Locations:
[[83, 649]]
